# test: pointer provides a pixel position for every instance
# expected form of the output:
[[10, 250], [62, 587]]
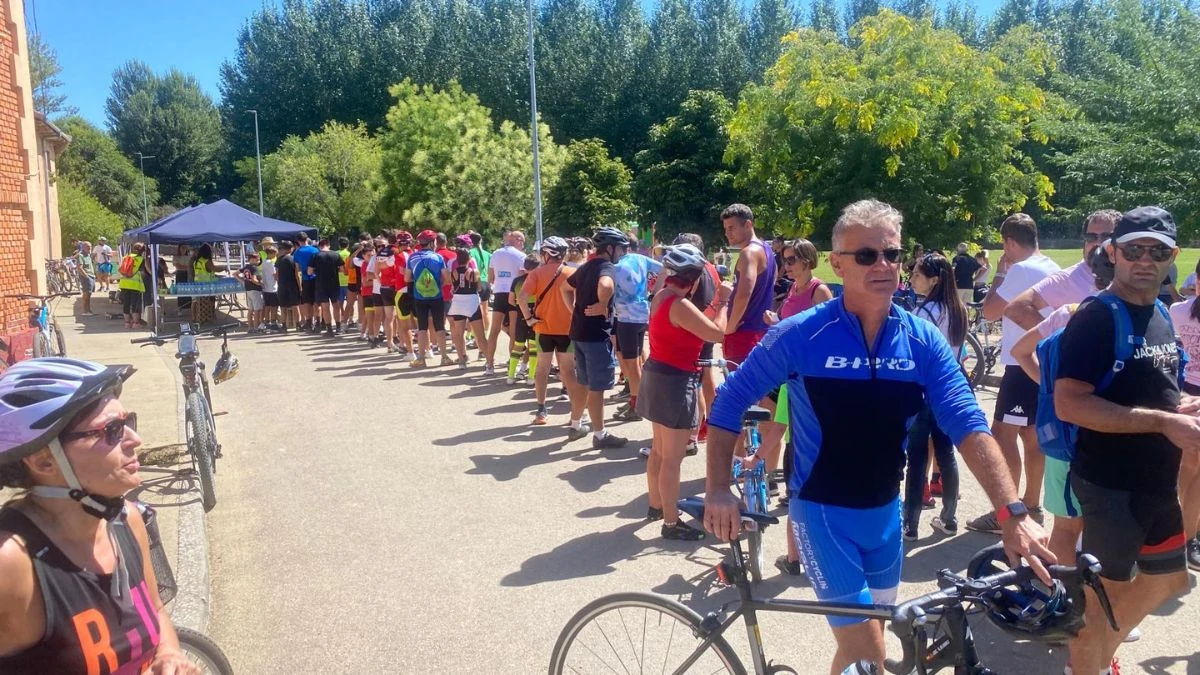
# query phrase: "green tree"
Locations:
[[593, 189], [824, 15], [770, 20], [83, 217], [328, 179], [682, 182], [170, 117], [44, 71], [93, 161], [722, 63], [910, 115]]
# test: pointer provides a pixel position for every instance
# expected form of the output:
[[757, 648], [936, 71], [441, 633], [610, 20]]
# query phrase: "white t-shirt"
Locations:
[[102, 254], [1020, 278], [267, 269], [935, 313], [508, 263]]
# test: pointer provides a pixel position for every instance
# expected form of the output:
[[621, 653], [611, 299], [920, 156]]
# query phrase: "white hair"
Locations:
[[869, 213]]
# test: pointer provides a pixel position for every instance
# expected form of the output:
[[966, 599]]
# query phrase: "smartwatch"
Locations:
[[1013, 510]]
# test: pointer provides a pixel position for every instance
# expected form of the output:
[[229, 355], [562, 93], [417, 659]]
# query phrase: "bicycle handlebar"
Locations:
[[715, 363], [163, 339], [39, 298]]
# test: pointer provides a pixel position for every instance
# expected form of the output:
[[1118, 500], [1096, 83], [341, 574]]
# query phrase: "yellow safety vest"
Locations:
[[134, 283], [200, 271]]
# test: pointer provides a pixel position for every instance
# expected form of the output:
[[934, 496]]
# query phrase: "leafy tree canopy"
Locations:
[[83, 217], [592, 190], [93, 161]]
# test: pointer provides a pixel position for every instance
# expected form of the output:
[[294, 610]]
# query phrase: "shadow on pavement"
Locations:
[[590, 555], [161, 486], [508, 467], [595, 474], [1160, 665], [948, 552]]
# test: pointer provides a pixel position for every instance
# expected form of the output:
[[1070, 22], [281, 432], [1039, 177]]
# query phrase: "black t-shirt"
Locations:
[[285, 273], [1143, 463], [326, 265], [965, 268], [249, 273], [586, 282]]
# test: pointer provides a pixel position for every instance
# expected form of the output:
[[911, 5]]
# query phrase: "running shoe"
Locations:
[[1193, 553], [471, 343], [627, 414], [692, 449], [1134, 635], [539, 417], [986, 523], [447, 360], [793, 568], [948, 528], [608, 441], [419, 363], [681, 532], [644, 451], [653, 514], [910, 533], [489, 369], [510, 381], [462, 363], [410, 357], [622, 395], [574, 434], [523, 371]]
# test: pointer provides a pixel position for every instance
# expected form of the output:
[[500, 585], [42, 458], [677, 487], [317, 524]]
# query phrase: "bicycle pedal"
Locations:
[[724, 573]]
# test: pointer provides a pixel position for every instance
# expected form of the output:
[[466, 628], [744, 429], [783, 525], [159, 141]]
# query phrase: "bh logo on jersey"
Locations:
[[880, 363]]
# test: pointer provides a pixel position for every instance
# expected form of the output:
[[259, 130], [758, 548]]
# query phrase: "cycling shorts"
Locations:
[[501, 304], [850, 555], [404, 305], [387, 296], [1131, 532]]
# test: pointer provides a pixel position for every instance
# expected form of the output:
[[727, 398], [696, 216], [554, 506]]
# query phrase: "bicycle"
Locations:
[[49, 340], [61, 275], [749, 474], [933, 628], [982, 354], [196, 646], [199, 421]]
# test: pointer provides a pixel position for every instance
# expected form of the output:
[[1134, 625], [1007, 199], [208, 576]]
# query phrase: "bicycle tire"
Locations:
[[975, 363], [41, 345], [201, 444], [203, 652], [685, 625], [60, 342], [755, 557]]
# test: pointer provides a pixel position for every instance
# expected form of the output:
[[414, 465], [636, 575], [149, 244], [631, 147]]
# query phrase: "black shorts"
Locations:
[[404, 305], [485, 291], [501, 304], [554, 343], [706, 352], [372, 301], [387, 296], [353, 288], [521, 330], [270, 299], [1131, 532], [1017, 401], [430, 310], [289, 296], [308, 292], [630, 337], [325, 294]]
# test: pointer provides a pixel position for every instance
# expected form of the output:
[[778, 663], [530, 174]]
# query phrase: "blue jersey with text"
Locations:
[[631, 294], [849, 406]]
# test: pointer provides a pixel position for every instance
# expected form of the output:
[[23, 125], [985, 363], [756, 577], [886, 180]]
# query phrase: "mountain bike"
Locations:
[[49, 340], [61, 275], [197, 647], [750, 476], [982, 354], [644, 632], [199, 422]]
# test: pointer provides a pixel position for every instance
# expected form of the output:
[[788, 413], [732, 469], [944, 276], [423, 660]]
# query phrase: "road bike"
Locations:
[[61, 275], [750, 476], [199, 421], [48, 340], [645, 632], [196, 646], [982, 353]]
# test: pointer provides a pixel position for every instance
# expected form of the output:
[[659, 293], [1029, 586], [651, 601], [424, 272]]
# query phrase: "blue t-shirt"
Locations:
[[849, 411], [632, 279], [303, 257], [426, 267]]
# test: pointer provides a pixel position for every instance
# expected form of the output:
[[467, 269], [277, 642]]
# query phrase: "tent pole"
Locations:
[[154, 285]]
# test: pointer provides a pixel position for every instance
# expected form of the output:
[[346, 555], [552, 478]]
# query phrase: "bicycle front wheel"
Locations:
[[202, 445], [639, 633], [203, 652], [756, 502], [60, 342], [974, 365]]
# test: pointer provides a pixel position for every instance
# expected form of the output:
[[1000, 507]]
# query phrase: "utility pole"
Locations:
[[537, 164], [145, 205], [257, 161]]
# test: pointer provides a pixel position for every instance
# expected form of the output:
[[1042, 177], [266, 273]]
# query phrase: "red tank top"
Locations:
[[670, 344]]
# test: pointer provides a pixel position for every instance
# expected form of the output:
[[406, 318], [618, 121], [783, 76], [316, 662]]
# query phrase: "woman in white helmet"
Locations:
[[77, 589]]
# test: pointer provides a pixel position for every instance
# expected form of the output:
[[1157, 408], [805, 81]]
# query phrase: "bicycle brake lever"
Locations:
[[1089, 570]]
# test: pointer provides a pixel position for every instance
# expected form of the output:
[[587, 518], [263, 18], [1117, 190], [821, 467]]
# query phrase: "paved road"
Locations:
[[376, 519]]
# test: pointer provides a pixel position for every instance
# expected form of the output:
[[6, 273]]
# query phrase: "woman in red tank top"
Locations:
[[668, 393]]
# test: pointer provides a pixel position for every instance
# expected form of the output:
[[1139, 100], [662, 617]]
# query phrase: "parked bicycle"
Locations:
[[644, 632], [197, 647], [982, 345], [61, 275], [199, 421], [48, 340], [750, 476]]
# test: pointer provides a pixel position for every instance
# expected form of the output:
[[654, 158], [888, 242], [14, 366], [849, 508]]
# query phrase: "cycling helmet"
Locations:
[[555, 246], [609, 236], [464, 240], [427, 236], [226, 368], [683, 257], [1101, 265], [404, 238], [1032, 609]]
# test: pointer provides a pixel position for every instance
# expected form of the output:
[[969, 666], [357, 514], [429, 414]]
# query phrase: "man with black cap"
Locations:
[[1131, 436]]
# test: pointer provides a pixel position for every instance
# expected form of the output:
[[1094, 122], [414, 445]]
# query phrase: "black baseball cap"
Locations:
[[1145, 222]]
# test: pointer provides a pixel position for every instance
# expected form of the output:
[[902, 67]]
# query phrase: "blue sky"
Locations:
[[94, 37]]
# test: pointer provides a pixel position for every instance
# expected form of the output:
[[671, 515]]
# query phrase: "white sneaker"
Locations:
[[510, 380], [489, 369], [644, 452], [1134, 635], [523, 371], [410, 357]]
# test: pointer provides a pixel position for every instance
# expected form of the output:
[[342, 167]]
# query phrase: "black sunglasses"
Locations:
[[1134, 252], [869, 256], [113, 432], [790, 260], [1093, 237]]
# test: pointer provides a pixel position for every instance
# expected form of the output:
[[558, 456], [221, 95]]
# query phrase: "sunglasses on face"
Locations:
[[112, 432], [869, 256], [790, 260], [1134, 252], [1094, 237]]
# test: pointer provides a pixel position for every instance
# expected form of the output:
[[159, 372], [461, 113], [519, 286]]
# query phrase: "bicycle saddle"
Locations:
[[694, 507], [757, 414]]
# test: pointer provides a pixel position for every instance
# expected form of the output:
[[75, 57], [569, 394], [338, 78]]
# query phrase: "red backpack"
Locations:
[[128, 266]]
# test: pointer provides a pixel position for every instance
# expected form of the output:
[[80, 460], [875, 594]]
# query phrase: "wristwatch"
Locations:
[[1013, 510]]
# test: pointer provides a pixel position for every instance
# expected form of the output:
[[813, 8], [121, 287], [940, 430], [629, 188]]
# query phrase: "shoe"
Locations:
[[986, 523], [510, 381], [622, 395], [702, 432], [644, 451], [574, 434], [1134, 635], [562, 395], [1114, 668], [539, 417], [692, 449], [653, 514], [910, 533], [793, 568], [608, 441], [471, 344], [1037, 514], [329, 333], [772, 487], [927, 500], [462, 363], [681, 532], [523, 371], [935, 485], [410, 357], [627, 415], [1193, 553], [947, 528], [418, 363], [489, 369], [447, 360]]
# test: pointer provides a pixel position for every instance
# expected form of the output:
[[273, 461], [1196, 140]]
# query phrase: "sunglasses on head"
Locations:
[[112, 432], [1134, 252], [1094, 237], [869, 256]]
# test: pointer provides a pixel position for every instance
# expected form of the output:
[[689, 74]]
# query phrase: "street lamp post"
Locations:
[[537, 165], [257, 161], [145, 205]]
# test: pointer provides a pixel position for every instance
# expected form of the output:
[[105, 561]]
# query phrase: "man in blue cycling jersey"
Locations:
[[859, 353]]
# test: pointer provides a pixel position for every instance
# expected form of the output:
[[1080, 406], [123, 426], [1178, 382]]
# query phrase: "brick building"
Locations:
[[29, 146]]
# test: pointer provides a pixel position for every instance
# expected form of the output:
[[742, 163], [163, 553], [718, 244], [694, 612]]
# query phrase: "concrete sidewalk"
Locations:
[[155, 393]]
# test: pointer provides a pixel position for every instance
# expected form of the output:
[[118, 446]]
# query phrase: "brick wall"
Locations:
[[16, 218]]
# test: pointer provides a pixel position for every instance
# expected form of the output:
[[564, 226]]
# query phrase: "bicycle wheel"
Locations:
[[41, 345], [639, 633], [201, 443], [203, 652], [755, 490], [974, 364], [60, 342]]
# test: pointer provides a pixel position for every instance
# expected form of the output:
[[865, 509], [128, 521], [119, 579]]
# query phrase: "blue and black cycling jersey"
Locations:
[[849, 410]]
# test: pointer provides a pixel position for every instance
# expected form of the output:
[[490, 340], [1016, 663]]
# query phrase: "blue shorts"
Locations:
[[343, 293], [105, 268], [850, 555], [594, 364]]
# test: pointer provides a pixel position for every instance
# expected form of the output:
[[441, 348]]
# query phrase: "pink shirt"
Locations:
[[1057, 319], [799, 299], [1188, 330], [1066, 286]]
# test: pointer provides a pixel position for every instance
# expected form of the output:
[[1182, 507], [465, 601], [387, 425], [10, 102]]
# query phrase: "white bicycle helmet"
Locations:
[[683, 257], [227, 366]]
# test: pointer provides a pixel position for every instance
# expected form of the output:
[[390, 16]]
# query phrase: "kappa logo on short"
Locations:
[[880, 363], [1018, 410]]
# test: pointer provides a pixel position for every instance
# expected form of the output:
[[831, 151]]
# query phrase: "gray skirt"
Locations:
[[667, 396]]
